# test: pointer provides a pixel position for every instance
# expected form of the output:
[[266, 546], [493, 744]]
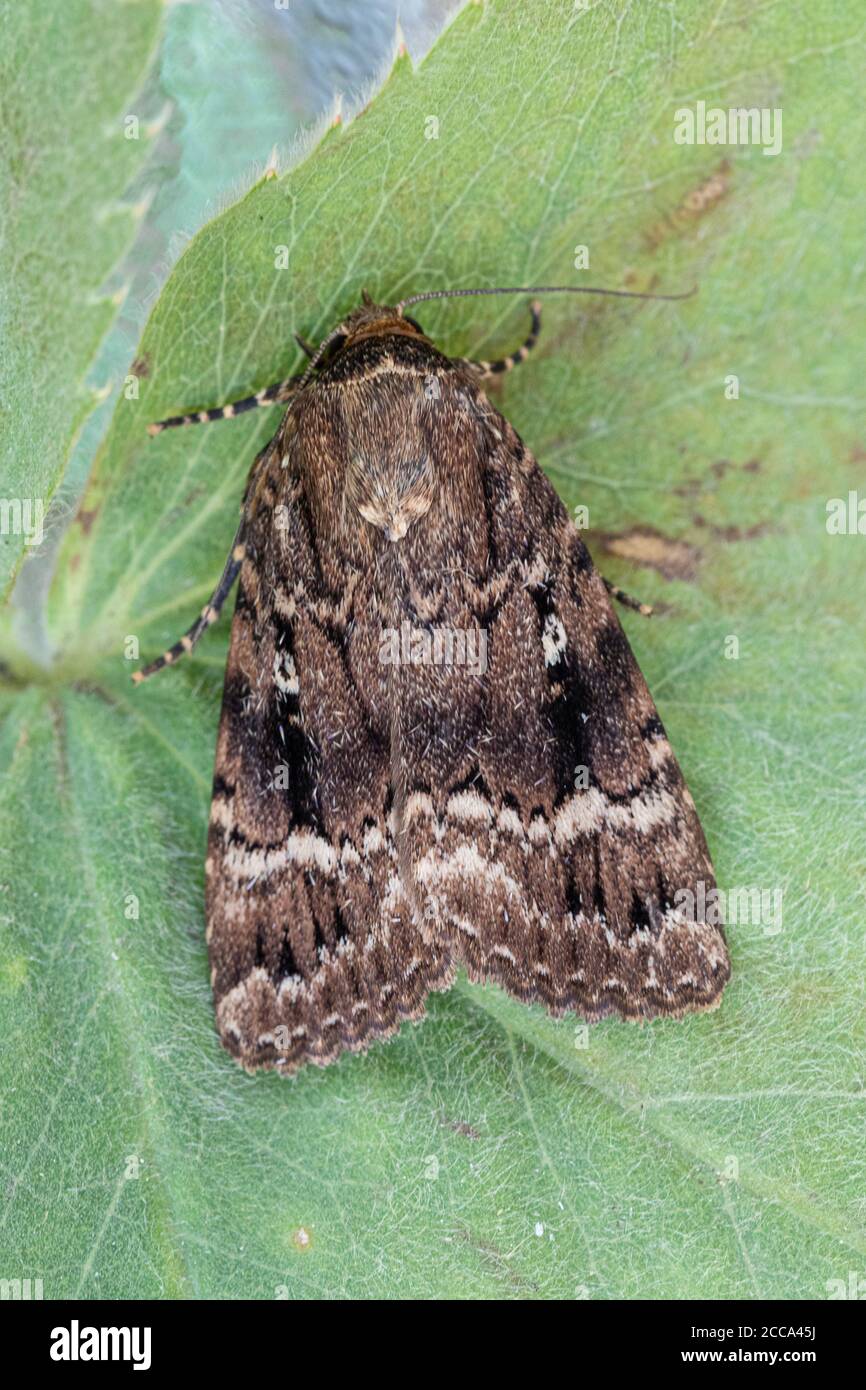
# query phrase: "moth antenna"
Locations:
[[540, 289], [316, 357]]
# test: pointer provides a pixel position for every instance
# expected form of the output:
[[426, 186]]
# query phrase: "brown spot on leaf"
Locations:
[[693, 206], [719, 468], [498, 1263], [689, 487], [644, 545], [141, 366], [86, 519], [732, 533], [460, 1127]]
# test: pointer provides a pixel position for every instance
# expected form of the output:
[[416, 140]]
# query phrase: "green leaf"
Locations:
[[66, 158], [491, 1152]]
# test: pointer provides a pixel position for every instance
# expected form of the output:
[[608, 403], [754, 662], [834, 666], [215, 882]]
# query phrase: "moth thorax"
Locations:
[[390, 491]]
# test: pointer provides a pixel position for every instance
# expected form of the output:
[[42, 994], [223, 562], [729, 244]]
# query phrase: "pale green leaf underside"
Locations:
[[722, 1155], [67, 82]]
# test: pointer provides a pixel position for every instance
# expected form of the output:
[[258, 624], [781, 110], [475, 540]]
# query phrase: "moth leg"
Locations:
[[645, 609], [505, 364], [279, 393], [209, 613]]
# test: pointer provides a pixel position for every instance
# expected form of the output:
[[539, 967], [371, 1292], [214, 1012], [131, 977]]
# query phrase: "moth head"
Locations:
[[372, 320], [391, 493]]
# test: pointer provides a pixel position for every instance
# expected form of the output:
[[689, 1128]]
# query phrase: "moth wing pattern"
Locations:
[[548, 825], [313, 945], [436, 746]]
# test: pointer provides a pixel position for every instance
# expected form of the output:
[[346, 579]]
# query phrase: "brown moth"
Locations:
[[436, 747]]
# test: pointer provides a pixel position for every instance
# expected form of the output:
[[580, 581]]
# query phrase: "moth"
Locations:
[[436, 747]]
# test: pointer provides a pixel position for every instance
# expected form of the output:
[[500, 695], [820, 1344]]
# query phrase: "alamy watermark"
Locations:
[[23, 516], [853, 1287], [77, 1343], [434, 646], [720, 907], [846, 516], [739, 125], [20, 1289]]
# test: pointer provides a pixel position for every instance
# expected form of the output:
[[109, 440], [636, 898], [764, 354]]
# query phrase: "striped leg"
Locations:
[[209, 613], [505, 364], [277, 394], [645, 609]]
